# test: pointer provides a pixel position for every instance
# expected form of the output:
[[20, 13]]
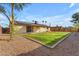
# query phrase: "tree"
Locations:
[[11, 17], [44, 21], [76, 20]]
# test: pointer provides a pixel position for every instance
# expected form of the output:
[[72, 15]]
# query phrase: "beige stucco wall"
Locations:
[[40, 29], [48, 29], [20, 29]]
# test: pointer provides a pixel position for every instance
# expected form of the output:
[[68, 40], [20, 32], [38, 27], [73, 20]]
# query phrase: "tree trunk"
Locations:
[[11, 34], [12, 22]]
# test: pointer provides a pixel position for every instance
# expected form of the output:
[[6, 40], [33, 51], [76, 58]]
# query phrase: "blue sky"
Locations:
[[54, 13]]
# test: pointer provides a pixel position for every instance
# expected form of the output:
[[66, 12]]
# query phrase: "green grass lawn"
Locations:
[[48, 38]]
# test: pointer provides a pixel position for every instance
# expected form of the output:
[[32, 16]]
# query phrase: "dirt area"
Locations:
[[17, 46]]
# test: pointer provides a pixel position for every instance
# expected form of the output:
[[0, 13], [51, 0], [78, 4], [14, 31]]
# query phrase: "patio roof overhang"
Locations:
[[29, 24]]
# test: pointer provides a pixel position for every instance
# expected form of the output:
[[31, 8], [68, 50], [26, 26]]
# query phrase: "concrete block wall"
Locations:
[[0, 30]]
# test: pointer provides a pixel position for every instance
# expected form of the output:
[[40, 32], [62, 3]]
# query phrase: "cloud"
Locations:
[[2, 17], [60, 20], [76, 10], [3, 21], [71, 5]]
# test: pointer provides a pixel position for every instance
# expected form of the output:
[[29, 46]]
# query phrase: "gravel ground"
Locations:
[[24, 47], [17, 46]]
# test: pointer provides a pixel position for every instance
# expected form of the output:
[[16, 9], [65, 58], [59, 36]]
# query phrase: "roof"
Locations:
[[29, 24]]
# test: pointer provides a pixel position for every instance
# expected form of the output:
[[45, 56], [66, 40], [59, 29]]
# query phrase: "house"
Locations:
[[24, 27]]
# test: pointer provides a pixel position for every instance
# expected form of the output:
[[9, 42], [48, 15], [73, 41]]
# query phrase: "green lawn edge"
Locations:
[[48, 44]]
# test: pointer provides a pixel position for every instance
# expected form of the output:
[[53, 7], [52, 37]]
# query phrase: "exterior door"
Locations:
[[29, 29]]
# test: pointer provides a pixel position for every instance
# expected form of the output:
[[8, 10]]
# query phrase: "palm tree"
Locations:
[[44, 21], [13, 6]]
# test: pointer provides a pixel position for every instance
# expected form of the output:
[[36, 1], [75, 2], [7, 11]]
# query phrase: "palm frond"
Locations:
[[2, 9], [19, 6]]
